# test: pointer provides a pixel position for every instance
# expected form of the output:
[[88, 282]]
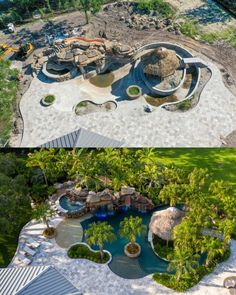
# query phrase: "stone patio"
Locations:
[[203, 126], [94, 279]]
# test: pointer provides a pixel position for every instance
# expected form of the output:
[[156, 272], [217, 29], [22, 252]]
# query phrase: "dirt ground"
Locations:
[[109, 22], [210, 15]]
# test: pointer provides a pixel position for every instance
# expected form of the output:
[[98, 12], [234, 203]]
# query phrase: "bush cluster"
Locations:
[[82, 251]]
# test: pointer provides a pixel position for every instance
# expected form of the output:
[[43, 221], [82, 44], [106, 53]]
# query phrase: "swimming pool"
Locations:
[[66, 204], [147, 263]]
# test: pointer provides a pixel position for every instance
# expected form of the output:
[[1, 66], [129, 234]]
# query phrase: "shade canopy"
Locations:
[[161, 62], [163, 222]]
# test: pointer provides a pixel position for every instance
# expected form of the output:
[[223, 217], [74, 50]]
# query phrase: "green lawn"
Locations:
[[220, 162]]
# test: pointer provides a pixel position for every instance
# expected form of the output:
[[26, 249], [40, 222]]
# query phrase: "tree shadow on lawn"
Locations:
[[209, 13], [221, 163]]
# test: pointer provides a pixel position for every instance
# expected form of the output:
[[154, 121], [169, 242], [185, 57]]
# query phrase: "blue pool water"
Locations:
[[66, 204], [147, 263]]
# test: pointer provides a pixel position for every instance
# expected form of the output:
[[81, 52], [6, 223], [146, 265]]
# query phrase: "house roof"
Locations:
[[83, 138], [35, 280]]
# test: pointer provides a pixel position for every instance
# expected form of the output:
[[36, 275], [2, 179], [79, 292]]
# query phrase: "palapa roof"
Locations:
[[161, 62], [163, 222]]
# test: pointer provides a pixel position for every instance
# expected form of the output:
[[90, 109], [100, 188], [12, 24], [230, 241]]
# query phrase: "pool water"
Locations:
[[103, 80], [147, 263], [66, 204]]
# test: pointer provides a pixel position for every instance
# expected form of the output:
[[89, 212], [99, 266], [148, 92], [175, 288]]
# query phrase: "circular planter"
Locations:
[[48, 100], [50, 233], [132, 255], [134, 92]]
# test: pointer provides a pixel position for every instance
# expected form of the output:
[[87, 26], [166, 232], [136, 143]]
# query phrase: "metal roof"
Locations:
[[36, 280], [14, 279], [83, 138]]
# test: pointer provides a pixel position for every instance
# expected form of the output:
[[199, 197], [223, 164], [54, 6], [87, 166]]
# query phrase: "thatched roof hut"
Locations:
[[163, 222], [161, 62]]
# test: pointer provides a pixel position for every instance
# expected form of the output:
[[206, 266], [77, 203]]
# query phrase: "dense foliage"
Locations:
[[8, 90], [161, 6], [82, 251], [18, 11], [14, 203]]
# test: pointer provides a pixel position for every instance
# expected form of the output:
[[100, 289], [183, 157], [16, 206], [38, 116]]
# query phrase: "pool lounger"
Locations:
[[32, 243], [29, 251], [22, 259]]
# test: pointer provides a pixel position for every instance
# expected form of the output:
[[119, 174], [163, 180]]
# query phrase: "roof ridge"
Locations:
[[47, 267]]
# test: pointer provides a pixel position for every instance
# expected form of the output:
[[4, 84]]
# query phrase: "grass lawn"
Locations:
[[220, 162]]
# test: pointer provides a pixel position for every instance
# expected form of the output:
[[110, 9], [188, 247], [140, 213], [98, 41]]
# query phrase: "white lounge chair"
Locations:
[[29, 251], [22, 259], [32, 243]]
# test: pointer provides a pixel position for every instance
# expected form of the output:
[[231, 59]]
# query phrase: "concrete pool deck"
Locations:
[[95, 279], [203, 126]]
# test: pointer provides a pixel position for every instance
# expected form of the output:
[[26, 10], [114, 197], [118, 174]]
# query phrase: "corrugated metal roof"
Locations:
[[34, 280], [14, 279], [50, 282], [83, 138]]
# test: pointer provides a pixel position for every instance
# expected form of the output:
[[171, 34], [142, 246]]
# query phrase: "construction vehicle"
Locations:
[[23, 51]]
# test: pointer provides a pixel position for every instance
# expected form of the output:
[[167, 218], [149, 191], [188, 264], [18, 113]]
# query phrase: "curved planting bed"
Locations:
[[83, 251], [86, 107]]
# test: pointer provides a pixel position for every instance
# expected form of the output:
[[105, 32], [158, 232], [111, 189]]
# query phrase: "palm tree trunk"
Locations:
[[86, 16], [101, 252], [45, 178], [46, 222]]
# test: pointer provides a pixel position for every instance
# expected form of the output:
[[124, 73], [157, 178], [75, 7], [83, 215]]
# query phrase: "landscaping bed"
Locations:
[[86, 107], [187, 282], [48, 100], [134, 91], [83, 251], [161, 248]]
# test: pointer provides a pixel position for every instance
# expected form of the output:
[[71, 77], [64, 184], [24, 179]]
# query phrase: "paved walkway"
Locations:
[[204, 126], [93, 279]]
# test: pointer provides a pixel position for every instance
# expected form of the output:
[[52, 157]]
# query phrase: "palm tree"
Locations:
[[184, 262], [213, 247], [130, 228], [41, 159], [99, 233], [92, 6], [44, 212]]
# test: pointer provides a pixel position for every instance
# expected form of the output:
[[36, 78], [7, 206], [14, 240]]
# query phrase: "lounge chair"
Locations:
[[32, 243], [22, 259], [29, 251]]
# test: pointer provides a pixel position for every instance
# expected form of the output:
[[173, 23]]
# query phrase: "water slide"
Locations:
[[96, 41]]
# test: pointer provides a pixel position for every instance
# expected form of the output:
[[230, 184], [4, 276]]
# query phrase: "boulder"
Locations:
[[127, 190]]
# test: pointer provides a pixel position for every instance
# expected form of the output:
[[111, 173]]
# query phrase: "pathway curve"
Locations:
[[94, 279]]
